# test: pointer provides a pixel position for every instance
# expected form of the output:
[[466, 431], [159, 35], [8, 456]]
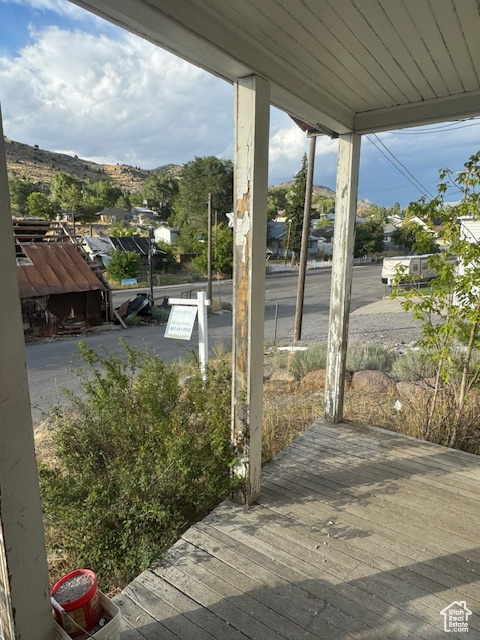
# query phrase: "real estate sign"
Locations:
[[180, 322]]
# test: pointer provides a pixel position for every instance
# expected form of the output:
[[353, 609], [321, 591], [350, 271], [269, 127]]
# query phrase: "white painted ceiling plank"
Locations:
[[388, 33], [421, 12], [469, 16], [452, 33], [354, 48], [432, 83], [376, 47], [287, 44], [345, 63], [303, 26]]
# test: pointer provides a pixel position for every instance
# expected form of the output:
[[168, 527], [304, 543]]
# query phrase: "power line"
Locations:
[[453, 126], [402, 165], [421, 188]]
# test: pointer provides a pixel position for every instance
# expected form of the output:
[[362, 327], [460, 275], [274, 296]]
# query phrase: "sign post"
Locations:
[[181, 321]]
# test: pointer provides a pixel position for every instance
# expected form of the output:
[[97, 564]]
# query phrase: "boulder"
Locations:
[[313, 381], [373, 382], [280, 381]]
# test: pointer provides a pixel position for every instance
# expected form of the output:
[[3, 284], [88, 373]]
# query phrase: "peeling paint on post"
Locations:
[[252, 115], [23, 561], [342, 264]]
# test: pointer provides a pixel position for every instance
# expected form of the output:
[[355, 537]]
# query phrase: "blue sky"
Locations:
[[71, 82]]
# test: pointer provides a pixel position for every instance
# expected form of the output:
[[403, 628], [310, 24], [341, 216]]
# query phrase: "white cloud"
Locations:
[[61, 7], [118, 100]]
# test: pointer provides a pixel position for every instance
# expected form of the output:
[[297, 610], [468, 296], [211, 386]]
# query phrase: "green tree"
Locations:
[[295, 209], [323, 204], [277, 200], [406, 237], [449, 311], [199, 178], [222, 250], [170, 262], [121, 230], [160, 190], [68, 191], [368, 238], [124, 264], [19, 192], [124, 202], [39, 205]]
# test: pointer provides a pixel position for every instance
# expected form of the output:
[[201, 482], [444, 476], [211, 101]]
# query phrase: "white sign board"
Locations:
[[180, 322]]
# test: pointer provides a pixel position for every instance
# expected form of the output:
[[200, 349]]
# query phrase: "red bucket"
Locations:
[[77, 593]]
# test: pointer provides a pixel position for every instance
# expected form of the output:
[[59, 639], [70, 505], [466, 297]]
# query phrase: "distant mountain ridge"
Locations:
[[39, 166]]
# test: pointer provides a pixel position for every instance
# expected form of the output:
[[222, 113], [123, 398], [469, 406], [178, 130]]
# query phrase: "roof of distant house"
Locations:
[[137, 244], [98, 245], [54, 268]]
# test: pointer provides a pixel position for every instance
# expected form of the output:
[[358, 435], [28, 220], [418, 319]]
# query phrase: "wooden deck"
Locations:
[[359, 533]]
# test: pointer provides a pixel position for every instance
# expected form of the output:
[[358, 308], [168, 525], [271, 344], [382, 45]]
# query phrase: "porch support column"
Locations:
[[252, 117], [342, 264], [25, 610]]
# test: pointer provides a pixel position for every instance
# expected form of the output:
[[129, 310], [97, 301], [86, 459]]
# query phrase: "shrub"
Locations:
[[124, 264], [412, 366], [160, 314], [361, 357], [315, 357], [139, 458]]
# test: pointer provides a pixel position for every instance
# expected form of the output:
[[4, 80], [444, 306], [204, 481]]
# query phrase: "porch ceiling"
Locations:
[[345, 65]]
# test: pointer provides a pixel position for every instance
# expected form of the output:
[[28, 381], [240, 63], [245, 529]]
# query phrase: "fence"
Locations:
[[315, 264]]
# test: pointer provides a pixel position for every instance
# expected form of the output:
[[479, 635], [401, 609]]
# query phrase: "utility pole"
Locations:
[[297, 333], [209, 249], [150, 262]]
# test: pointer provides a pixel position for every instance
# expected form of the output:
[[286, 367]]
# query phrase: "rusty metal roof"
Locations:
[[56, 268]]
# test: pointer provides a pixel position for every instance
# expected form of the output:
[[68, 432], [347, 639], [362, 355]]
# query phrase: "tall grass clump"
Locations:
[[412, 366], [138, 459]]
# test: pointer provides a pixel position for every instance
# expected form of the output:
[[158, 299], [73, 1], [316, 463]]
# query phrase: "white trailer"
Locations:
[[415, 267]]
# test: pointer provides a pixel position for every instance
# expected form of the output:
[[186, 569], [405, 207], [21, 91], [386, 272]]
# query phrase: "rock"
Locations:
[[313, 380], [373, 382], [419, 391], [281, 380]]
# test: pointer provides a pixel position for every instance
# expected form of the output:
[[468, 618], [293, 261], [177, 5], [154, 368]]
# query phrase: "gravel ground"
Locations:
[[390, 329]]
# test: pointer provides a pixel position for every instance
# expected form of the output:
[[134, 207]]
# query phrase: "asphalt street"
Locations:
[[52, 364]]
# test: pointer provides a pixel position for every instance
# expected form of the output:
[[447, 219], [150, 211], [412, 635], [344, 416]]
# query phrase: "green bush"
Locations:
[[139, 458], [412, 366], [124, 264], [359, 357], [315, 357], [160, 314], [362, 357]]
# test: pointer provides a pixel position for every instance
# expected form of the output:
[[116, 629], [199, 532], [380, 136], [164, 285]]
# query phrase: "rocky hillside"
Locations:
[[318, 190], [38, 165]]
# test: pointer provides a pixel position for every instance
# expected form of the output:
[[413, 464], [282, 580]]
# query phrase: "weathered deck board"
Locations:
[[359, 534]]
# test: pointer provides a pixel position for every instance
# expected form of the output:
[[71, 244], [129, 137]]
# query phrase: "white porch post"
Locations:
[[342, 264], [25, 611], [252, 117]]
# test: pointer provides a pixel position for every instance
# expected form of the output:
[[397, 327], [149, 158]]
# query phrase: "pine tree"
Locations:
[[295, 209]]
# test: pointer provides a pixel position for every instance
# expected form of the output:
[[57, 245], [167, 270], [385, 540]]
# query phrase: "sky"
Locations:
[[73, 83]]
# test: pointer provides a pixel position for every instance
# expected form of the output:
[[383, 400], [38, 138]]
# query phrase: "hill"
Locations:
[[39, 166], [318, 190]]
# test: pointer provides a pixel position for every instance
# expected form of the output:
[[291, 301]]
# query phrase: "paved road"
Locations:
[[49, 363]]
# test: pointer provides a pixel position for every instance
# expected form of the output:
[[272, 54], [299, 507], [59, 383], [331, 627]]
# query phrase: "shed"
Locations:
[[58, 290]]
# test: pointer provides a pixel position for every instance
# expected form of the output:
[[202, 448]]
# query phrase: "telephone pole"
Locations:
[[297, 333]]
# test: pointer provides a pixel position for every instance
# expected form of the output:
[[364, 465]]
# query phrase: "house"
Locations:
[[59, 291], [324, 237], [166, 234], [388, 231], [142, 215], [115, 214], [140, 245], [99, 248], [277, 239]]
